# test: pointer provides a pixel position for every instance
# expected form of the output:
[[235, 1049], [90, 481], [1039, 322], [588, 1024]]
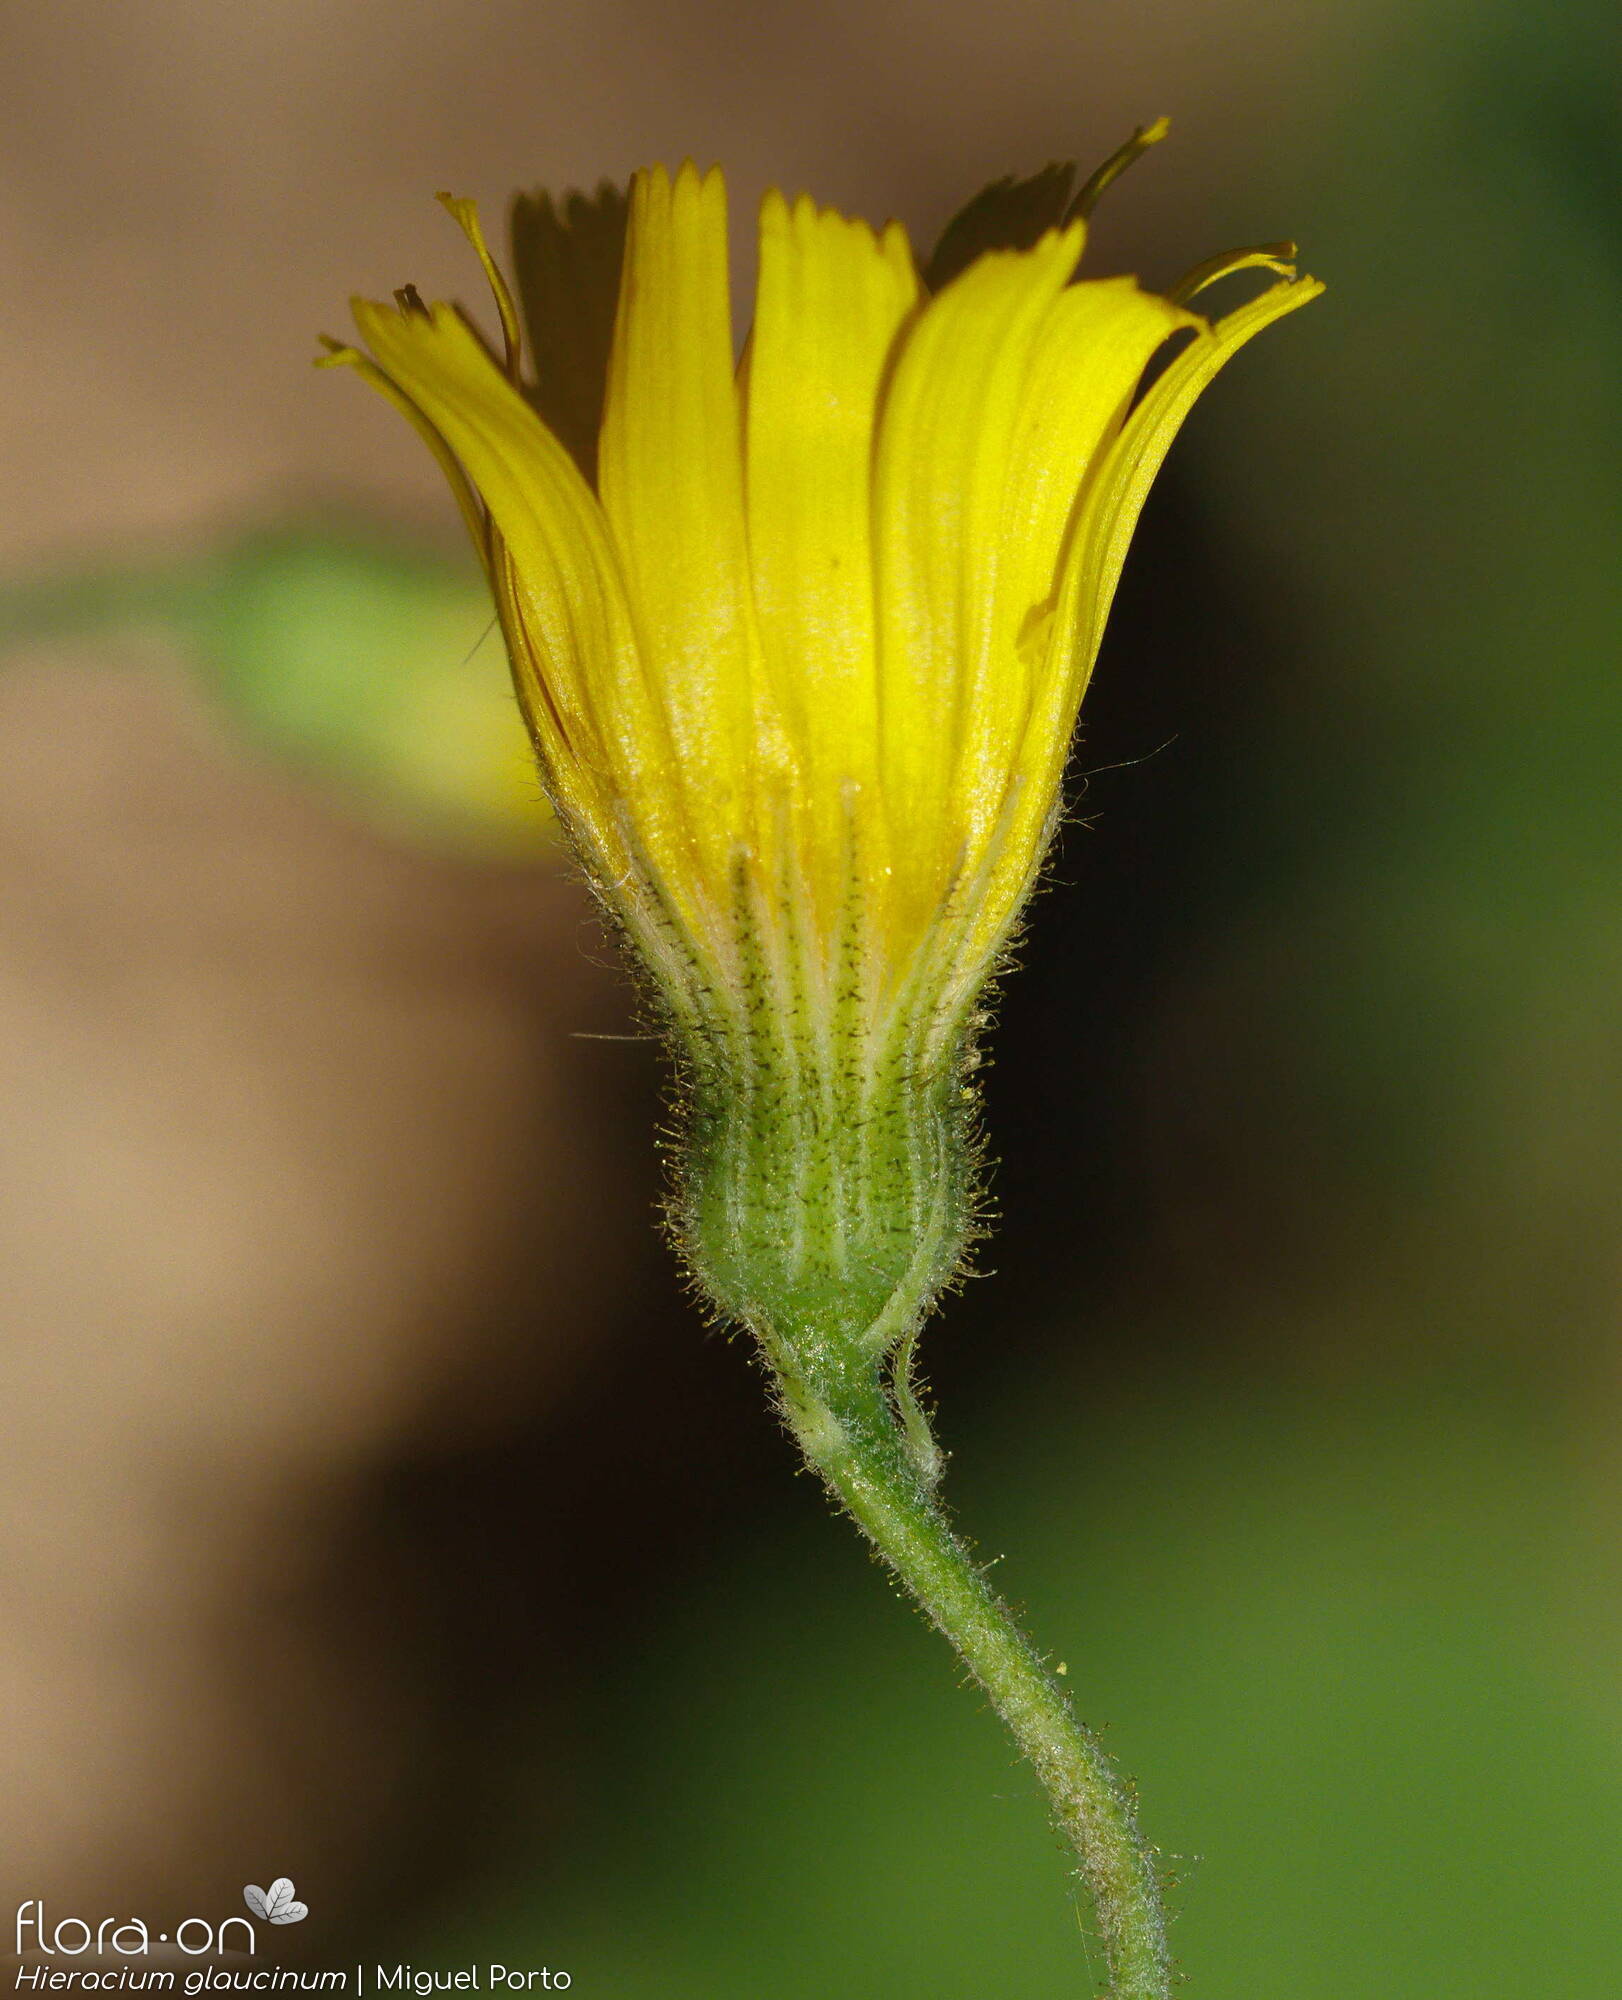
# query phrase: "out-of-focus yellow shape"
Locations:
[[802, 665]]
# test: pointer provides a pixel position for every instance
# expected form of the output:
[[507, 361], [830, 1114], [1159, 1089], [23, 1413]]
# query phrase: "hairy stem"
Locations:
[[847, 1429]]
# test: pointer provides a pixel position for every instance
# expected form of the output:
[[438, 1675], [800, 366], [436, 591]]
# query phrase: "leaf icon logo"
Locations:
[[275, 1904]]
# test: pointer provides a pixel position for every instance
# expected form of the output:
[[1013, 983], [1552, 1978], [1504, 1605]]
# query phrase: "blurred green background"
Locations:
[[1293, 1399]]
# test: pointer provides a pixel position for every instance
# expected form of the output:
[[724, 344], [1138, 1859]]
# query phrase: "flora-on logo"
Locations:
[[275, 1904], [124, 1937]]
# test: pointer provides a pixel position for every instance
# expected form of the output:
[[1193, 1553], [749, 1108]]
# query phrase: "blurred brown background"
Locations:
[[191, 190], [364, 1471]]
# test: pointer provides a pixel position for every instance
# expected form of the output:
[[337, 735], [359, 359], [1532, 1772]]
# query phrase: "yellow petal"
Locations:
[[670, 472], [947, 433], [1275, 257], [1108, 515], [468, 503], [1121, 485], [832, 298], [553, 569], [1104, 177], [1082, 372], [465, 214]]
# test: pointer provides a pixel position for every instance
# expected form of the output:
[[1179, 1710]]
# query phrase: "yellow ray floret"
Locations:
[[802, 666]]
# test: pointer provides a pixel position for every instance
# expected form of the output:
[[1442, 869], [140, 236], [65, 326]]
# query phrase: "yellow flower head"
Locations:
[[801, 641], [802, 660]]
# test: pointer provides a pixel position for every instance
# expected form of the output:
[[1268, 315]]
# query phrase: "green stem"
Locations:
[[847, 1430]]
